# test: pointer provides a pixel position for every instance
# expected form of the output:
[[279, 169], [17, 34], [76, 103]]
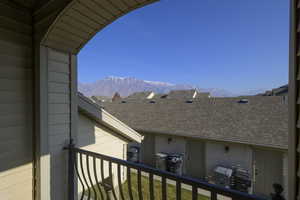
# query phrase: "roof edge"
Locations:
[[236, 141], [101, 116]]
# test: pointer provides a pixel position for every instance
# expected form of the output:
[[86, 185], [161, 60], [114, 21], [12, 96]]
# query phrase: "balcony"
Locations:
[[98, 176]]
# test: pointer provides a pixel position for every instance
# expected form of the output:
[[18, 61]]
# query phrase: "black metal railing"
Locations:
[[103, 177]]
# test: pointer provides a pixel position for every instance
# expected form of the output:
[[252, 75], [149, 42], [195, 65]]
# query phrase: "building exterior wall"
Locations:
[[16, 104], [285, 175], [195, 166], [236, 155], [171, 144], [148, 150], [59, 119], [96, 138], [212, 154], [268, 166]]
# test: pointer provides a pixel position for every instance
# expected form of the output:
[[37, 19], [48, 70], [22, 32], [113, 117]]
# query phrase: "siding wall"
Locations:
[[59, 116], [16, 121], [97, 138]]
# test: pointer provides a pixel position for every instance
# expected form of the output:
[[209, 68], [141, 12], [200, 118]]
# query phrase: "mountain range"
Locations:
[[128, 85]]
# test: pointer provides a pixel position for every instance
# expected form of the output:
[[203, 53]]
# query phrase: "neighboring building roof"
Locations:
[[97, 113], [182, 94], [116, 97], [257, 120], [203, 95], [101, 98], [160, 96], [141, 95], [281, 91]]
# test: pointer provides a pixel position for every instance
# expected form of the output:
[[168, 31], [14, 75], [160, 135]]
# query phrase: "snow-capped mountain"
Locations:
[[128, 85]]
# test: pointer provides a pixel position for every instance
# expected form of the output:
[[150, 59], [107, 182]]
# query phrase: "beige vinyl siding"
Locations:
[[96, 138], [58, 120], [16, 122]]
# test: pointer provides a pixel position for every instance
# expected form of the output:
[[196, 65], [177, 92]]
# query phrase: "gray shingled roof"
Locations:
[[263, 121], [202, 95], [280, 91], [181, 94], [139, 95], [101, 98]]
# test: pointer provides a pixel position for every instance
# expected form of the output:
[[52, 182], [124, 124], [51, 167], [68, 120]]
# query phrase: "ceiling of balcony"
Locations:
[[26, 3], [30, 4]]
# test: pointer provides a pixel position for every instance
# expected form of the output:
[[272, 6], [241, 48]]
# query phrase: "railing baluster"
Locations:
[[102, 177], [71, 170], [151, 187], [80, 180], [140, 185], [214, 195], [129, 183], [111, 178], [81, 168], [164, 188], [89, 176], [84, 178], [120, 182], [178, 190], [97, 180], [194, 192]]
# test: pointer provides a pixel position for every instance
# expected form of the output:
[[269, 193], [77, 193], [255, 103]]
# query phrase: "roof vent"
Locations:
[[244, 101], [189, 101], [151, 101]]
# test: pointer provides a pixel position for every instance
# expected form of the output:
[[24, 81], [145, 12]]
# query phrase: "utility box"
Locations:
[[174, 163], [133, 154], [161, 161]]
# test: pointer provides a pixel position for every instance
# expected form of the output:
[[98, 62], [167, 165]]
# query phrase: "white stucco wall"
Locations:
[[237, 155]]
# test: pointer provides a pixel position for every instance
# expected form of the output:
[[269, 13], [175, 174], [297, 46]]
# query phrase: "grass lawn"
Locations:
[[171, 190]]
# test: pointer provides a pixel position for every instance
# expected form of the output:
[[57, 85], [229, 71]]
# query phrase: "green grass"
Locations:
[[171, 190]]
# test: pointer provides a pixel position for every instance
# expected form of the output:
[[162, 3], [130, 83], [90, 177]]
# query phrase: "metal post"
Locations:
[[71, 171]]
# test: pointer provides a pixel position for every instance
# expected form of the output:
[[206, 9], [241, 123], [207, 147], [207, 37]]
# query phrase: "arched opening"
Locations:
[[39, 43], [81, 20], [246, 101], [85, 30]]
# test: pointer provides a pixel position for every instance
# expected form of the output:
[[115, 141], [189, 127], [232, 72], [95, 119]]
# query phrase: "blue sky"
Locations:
[[229, 44]]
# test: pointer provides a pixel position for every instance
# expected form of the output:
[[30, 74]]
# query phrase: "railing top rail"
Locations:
[[234, 194]]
